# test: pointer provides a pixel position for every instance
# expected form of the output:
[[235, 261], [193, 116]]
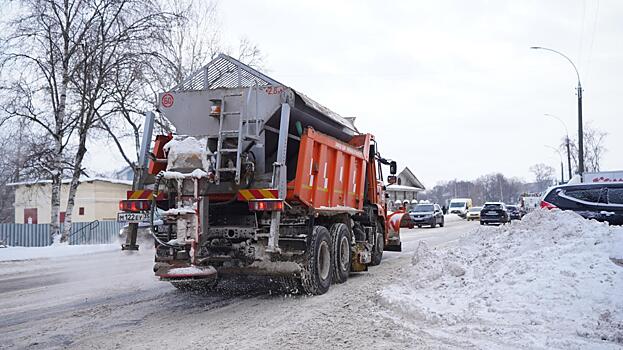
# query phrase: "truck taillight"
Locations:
[[266, 205], [547, 205], [134, 206]]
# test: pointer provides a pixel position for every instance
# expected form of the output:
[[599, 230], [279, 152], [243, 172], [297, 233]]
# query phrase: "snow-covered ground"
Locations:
[[547, 281], [53, 251]]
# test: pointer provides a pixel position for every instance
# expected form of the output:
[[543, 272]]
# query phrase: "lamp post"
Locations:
[[566, 142], [562, 169], [579, 89]]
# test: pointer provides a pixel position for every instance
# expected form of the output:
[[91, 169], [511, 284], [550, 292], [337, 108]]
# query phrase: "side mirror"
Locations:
[[391, 179], [393, 167]]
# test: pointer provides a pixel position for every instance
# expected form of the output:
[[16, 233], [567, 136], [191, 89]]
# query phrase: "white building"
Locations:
[[406, 187], [96, 199]]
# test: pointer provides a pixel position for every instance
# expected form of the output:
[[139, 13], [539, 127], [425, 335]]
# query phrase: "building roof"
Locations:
[[66, 181], [403, 188], [406, 172]]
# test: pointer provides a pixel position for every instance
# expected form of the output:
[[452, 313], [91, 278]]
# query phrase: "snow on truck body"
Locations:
[[265, 181]]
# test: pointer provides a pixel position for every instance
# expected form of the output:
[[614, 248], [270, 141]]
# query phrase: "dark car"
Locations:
[[494, 213], [514, 212], [427, 214], [599, 201]]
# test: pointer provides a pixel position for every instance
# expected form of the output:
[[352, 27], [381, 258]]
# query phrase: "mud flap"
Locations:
[[185, 273]]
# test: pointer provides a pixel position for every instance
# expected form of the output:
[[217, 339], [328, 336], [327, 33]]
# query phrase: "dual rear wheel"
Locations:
[[328, 258]]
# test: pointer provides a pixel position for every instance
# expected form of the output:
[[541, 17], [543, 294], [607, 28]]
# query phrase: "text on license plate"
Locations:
[[131, 217]]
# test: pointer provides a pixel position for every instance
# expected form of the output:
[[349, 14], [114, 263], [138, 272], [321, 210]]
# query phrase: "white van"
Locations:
[[460, 206]]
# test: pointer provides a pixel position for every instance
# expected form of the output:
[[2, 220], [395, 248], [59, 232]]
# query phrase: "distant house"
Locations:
[[406, 187], [96, 199]]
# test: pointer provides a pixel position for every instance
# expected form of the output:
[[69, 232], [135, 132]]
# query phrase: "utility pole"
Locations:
[[139, 176], [579, 90], [580, 132]]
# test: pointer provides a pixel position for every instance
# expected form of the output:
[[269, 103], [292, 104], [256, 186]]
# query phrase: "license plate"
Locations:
[[492, 213], [131, 217]]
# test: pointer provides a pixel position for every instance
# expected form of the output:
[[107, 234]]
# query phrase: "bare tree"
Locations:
[[24, 155], [189, 43], [543, 175], [68, 50], [594, 149], [119, 41]]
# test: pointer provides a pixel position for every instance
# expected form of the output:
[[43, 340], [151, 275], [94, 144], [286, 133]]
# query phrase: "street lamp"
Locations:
[[562, 169], [579, 88], [566, 141]]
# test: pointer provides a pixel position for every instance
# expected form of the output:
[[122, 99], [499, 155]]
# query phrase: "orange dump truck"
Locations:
[[263, 181]]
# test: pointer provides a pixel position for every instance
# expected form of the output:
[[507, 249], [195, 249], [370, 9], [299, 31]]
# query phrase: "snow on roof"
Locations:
[[403, 188], [412, 178], [66, 181]]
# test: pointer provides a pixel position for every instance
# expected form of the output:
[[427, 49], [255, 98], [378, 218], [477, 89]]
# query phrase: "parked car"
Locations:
[[599, 201], [427, 214], [460, 206], [514, 212], [473, 213], [494, 213]]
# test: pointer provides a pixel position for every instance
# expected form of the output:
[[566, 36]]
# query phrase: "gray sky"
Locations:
[[449, 88]]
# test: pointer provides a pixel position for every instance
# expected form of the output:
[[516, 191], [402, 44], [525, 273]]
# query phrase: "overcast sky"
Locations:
[[449, 88]]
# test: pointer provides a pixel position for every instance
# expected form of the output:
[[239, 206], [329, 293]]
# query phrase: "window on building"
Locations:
[[81, 211], [30, 215]]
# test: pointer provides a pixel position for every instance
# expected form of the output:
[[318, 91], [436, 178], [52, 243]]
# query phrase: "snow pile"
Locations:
[[550, 280], [187, 154], [53, 251], [193, 270]]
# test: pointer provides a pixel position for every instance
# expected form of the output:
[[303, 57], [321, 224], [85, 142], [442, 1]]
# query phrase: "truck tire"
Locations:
[[379, 245], [317, 275], [341, 252]]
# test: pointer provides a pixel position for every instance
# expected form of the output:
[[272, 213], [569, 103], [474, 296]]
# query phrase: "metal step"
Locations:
[[226, 169], [229, 150]]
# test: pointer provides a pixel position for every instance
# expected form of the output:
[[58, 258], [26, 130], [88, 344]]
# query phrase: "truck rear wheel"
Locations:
[[317, 275], [341, 252]]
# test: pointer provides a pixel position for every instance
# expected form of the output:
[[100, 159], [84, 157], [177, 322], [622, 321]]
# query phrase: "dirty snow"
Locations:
[[547, 281], [187, 153], [191, 270], [179, 211], [176, 175], [53, 251]]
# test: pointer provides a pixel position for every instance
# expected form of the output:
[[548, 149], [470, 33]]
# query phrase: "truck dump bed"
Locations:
[[330, 174]]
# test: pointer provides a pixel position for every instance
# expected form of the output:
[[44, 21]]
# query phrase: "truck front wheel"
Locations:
[[341, 254], [379, 245], [318, 268]]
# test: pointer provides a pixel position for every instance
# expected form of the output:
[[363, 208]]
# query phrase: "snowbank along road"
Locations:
[[522, 285]]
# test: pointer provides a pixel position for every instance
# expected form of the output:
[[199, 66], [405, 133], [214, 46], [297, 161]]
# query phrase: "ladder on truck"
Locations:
[[248, 130]]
